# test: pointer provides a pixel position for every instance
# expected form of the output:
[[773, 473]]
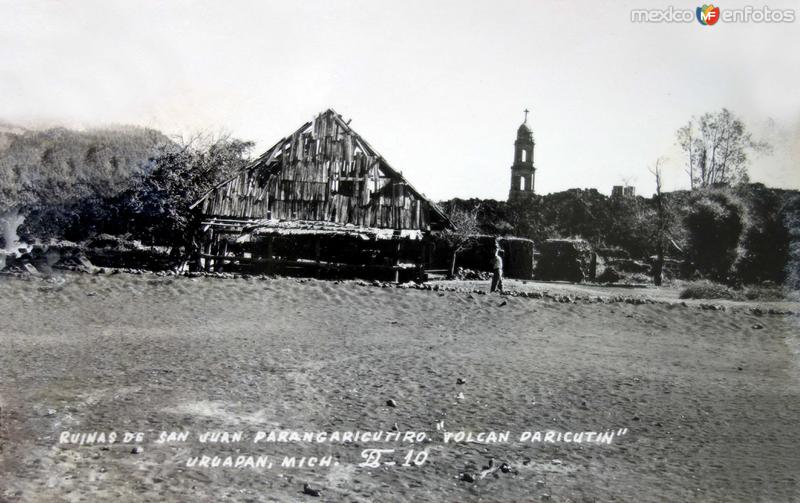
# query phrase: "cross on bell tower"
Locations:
[[522, 171]]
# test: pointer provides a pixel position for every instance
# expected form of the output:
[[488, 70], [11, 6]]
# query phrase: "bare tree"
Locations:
[[717, 148], [464, 234], [661, 231]]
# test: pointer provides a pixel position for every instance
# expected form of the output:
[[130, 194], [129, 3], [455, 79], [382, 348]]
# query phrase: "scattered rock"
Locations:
[[391, 403], [460, 396], [470, 274], [758, 326], [30, 269], [504, 303], [137, 450], [609, 275], [85, 262], [539, 484], [460, 381], [505, 468], [311, 491], [778, 311], [468, 477]]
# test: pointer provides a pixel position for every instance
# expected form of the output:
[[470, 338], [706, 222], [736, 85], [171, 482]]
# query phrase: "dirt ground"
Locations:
[[710, 398]]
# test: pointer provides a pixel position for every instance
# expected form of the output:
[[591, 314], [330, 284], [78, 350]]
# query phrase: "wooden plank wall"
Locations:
[[323, 174]]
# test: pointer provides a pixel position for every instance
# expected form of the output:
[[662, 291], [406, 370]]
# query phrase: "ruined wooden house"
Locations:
[[320, 199]]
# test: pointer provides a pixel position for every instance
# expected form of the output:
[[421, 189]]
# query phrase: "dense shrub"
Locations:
[[791, 219], [48, 175], [125, 181], [158, 205], [714, 226], [765, 242]]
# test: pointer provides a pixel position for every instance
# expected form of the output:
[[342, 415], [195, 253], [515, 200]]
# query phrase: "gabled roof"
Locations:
[[270, 155]]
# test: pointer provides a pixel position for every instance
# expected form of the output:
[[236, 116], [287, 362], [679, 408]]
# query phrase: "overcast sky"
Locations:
[[438, 87]]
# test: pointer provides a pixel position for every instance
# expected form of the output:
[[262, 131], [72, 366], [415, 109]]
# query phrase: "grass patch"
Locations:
[[709, 290], [766, 293]]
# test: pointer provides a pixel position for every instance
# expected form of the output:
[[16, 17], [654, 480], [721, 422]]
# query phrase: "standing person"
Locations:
[[497, 277]]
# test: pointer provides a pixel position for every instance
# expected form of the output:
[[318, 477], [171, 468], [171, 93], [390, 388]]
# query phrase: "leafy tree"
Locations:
[[718, 148], [464, 234], [158, 205]]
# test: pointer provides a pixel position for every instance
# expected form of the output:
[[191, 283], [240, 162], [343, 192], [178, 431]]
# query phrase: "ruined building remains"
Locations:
[[322, 199], [522, 171], [619, 191]]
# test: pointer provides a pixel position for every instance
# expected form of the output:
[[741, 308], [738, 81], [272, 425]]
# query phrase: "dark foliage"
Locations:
[[714, 228], [50, 176], [695, 227], [158, 206], [709, 290], [765, 243], [791, 219], [128, 181]]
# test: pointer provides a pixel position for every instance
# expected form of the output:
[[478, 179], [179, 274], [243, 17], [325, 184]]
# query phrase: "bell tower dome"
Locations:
[[522, 171]]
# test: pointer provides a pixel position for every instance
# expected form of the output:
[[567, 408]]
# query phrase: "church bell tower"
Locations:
[[522, 171]]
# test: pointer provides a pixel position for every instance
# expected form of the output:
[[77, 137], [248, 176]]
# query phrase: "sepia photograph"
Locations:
[[510, 251]]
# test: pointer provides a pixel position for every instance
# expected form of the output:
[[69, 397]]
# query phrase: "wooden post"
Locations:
[[269, 255], [397, 262], [209, 247], [317, 252], [197, 254], [222, 251], [213, 253], [423, 258]]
